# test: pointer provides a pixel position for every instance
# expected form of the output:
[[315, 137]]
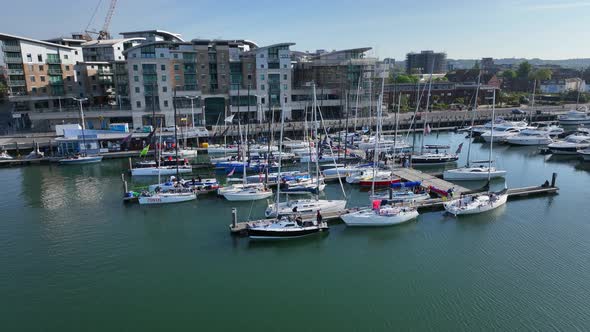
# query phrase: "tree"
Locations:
[[542, 74], [509, 74], [586, 75], [524, 69], [3, 90], [405, 79], [441, 79], [476, 65]]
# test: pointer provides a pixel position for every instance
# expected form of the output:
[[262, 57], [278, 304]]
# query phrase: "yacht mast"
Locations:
[[427, 106], [175, 135], [280, 157], [315, 132], [473, 118], [492, 137]]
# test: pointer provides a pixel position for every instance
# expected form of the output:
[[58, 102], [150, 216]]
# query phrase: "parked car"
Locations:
[[518, 111]]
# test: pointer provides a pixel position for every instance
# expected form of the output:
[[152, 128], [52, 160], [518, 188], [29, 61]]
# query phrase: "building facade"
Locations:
[[425, 62]]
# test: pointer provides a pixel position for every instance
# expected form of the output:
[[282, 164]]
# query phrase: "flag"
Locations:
[[427, 129], [231, 172], [126, 139], [459, 148], [229, 119], [144, 151]]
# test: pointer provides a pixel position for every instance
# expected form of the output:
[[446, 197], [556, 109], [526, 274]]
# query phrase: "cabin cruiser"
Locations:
[[501, 133], [434, 158], [585, 154], [530, 137], [365, 173], [198, 184], [5, 156], [570, 145], [474, 204], [479, 130], [218, 148], [575, 118]]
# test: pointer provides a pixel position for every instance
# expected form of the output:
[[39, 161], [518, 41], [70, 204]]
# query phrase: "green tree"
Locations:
[[586, 75], [441, 79], [406, 79], [543, 74], [509, 74], [3, 90], [524, 70]]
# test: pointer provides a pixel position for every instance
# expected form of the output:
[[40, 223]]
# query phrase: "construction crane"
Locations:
[[104, 32]]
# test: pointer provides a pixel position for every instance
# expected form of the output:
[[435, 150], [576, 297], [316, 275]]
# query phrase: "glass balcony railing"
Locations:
[[53, 60], [11, 48], [60, 82], [13, 59], [16, 83], [105, 71], [54, 71], [14, 71]]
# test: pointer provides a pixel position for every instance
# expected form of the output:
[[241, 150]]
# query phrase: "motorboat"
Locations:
[[286, 228], [303, 186], [575, 118], [80, 159], [5, 156], [429, 158], [501, 133], [473, 173], [379, 215], [150, 198], [219, 148], [364, 174], [479, 130], [304, 206], [532, 137], [248, 194], [585, 154], [570, 145], [221, 191], [474, 204]]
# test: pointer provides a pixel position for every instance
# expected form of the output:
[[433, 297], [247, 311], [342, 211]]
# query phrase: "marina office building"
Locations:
[[133, 78]]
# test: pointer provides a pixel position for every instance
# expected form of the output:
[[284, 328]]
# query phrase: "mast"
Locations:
[[356, 108], [399, 101], [377, 135], [473, 118], [268, 139], [427, 106], [243, 152], [175, 134], [346, 125], [533, 101], [492, 137], [280, 157], [315, 132]]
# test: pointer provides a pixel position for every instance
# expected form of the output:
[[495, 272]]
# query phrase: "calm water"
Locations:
[[74, 258]]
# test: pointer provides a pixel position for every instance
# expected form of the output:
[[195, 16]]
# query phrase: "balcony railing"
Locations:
[[149, 71], [54, 71], [105, 72], [189, 60], [11, 48], [105, 80], [14, 71], [53, 61], [13, 59], [56, 82], [16, 83]]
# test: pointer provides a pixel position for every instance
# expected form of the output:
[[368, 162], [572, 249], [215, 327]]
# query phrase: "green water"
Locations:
[[74, 258]]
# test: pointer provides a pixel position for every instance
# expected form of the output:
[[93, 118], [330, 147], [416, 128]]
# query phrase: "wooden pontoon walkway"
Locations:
[[428, 180]]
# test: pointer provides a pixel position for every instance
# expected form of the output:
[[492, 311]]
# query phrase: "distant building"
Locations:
[[563, 85], [425, 62]]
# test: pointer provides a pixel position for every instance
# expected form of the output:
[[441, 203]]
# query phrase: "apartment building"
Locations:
[[41, 75], [425, 62]]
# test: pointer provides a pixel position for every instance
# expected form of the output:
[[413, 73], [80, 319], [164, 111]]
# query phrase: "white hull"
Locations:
[[377, 218], [81, 160], [167, 198], [155, 171], [517, 140], [585, 154], [212, 149], [306, 206], [472, 173], [238, 187], [247, 195], [482, 203]]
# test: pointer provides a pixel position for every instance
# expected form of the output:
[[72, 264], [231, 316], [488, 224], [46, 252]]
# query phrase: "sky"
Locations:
[[547, 29]]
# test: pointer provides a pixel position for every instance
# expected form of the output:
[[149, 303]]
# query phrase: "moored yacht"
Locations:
[[527, 137], [501, 133], [574, 118], [380, 216], [304, 206], [570, 145], [286, 228], [472, 173]]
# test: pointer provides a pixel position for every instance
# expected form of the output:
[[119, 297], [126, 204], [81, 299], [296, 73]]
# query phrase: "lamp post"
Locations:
[[192, 98], [81, 100]]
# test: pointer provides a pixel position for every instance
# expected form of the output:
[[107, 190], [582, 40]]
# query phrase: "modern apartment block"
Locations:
[[41, 75], [425, 62]]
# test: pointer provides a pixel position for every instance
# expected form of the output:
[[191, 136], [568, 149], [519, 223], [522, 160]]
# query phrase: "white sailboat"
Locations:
[[474, 204], [473, 172], [378, 215]]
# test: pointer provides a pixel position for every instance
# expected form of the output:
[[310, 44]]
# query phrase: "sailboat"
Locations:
[[286, 227], [175, 195], [306, 206], [245, 192], [81, 157], [379, 215], [473, 204], [473, 172]]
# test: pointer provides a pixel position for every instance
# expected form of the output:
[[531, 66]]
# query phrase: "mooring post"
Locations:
[[130, 165], [234, 217], [390, 192], [553, 179]]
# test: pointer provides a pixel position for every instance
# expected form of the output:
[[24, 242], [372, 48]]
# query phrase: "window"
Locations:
[[66, 56], [69, 78], [41, 68], [119, 57], [44, 90], [161, 55], [249, 66], [177, 78], [249, 77], [163, 78], [202, 66], [135, 56], [262, 77], [176, 66], [164, 89], [92, 67], [94, 78], [134, 67], [76, 52], [175, 55], [262, 100], [136, 89], [29, 57], [285, 77], [163, 67], [138, 104], [39, 57], [118, 48], [262, 55], [222, 66], [262, 87], [262, 66], [42, 78], [285, 87], [285, 100], [67, 67], [285, 66], [34, 90], [136, 78], [32, 78], [78, 73], [165, 103], [94, 88]]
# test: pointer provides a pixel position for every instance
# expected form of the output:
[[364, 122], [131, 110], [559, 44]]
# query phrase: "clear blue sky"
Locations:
[[549, 29]]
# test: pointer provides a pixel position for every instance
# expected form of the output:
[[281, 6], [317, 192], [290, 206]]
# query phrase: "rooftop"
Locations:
[[36, 41]]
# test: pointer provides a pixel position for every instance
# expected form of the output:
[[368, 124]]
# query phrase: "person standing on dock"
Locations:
[[319, 217]]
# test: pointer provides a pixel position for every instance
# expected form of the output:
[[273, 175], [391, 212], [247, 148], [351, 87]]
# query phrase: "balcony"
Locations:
[[54, 61], [105, 80], [105, 71], [120, 70], [150, 72], [54, 71], [16, 83], [60, 82], [13, 59], [14, 71], [11, 48]]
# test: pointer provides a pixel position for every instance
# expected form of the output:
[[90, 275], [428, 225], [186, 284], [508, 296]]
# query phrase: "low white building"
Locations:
[[560, 86]]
